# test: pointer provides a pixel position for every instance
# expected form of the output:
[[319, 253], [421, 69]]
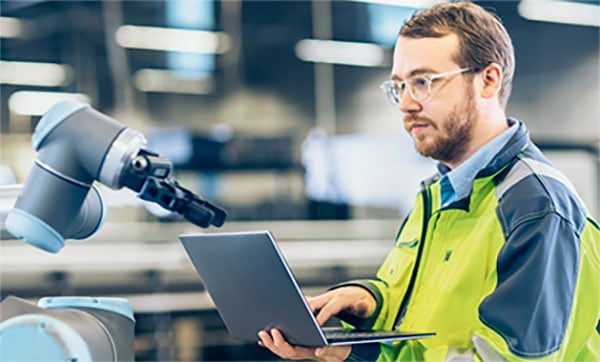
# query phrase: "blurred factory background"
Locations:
[[272, 110]]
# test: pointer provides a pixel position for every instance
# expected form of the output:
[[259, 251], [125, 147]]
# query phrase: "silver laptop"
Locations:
[[254, 289]]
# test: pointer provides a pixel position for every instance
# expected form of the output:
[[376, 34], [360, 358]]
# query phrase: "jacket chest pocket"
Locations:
[[398, 266]]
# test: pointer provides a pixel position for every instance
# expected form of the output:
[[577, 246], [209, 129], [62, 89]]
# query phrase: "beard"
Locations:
[[455, 132]]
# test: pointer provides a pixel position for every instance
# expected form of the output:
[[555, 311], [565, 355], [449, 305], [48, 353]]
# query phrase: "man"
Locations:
[[499, 256]]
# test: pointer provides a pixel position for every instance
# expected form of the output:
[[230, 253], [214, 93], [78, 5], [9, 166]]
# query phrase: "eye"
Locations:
[[399, 87], [420, 82]]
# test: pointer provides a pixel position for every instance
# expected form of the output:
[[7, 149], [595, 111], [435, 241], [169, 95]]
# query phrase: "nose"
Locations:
[[408, 104]]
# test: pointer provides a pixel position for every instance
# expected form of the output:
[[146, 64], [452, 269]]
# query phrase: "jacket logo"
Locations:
[[447, 256]]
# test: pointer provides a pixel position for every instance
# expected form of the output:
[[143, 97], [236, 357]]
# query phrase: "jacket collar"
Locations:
[[517, 143]]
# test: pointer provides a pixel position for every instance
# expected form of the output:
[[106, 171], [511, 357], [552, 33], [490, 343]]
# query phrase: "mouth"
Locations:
[[415, 128]]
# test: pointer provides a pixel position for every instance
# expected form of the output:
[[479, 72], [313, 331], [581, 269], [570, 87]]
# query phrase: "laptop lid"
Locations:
[[254, 289]]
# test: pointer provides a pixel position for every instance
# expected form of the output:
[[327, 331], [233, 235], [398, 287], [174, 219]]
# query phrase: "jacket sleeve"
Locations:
[[526, 316]]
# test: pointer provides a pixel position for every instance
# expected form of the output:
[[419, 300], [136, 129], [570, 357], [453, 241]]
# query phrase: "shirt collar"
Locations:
[[456, 184]]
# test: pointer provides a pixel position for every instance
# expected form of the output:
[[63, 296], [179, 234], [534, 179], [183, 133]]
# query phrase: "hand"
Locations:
[[277, 344], [352, 299]]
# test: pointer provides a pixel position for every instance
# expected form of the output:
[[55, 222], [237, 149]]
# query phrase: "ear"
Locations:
[[491, 81]]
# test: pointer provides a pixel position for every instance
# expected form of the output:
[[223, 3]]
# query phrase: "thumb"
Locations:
[[361, 308], [319, 352], [339, 353]]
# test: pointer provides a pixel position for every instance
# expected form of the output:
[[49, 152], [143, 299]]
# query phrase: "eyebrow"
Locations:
[[414, 72]]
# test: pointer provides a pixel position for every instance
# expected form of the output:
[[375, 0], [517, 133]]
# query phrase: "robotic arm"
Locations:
[[76, 146]]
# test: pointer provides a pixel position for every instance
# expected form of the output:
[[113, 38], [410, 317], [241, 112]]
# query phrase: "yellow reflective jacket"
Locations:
[[511, 272]]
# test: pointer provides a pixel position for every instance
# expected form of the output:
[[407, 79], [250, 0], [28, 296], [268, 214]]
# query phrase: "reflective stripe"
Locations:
[[528, 166], [485, 351]]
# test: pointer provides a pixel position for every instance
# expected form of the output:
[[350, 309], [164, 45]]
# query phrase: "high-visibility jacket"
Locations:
[[510, 272]]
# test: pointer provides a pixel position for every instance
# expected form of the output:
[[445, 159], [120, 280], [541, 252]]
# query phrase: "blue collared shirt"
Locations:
[[457, 184]]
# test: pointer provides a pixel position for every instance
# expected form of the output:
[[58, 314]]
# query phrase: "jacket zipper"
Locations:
[[413, 277]]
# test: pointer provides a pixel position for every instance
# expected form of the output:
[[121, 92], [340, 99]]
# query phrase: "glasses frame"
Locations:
[[394, 90]]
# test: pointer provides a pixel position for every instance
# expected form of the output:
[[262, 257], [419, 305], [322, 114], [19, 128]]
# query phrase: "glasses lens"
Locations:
[[419, 87], [390, 89]]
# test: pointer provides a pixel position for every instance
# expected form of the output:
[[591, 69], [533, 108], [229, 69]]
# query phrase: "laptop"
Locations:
[[253, 289]]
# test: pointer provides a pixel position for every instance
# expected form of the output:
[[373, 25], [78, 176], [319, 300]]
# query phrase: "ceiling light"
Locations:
[[341, 52], [10, 27], [166, 81], [417, 4], [33, 73], [33, 103], [170, 39], [560, 12]]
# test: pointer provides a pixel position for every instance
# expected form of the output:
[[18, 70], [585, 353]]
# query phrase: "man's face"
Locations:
[[442, 125]]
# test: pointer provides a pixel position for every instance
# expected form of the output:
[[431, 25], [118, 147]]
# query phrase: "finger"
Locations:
[[278, 338], [338, 353], [265, 339], [286, 350], [320, 352], [269, 341], [281, 347], [359, 308], [316, 303], [328, 311]]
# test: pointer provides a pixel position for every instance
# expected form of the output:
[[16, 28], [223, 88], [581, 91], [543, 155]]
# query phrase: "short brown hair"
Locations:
[[482, 37]]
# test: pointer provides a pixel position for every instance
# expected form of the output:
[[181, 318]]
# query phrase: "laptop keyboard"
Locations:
[[359, 334]]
